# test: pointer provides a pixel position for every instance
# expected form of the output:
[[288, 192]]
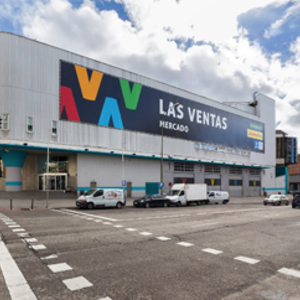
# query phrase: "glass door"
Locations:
[[53, 182]]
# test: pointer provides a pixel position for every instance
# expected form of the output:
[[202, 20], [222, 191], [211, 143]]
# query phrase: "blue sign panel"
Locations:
[[123, 182], [161, 184], [90, 96]]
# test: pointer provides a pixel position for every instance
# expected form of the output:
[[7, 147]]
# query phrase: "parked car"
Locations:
[[276, 200], [152, 200], [296, 202], [101, 198]]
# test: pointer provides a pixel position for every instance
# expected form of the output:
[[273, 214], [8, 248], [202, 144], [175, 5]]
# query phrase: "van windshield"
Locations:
[[90, 192], [175, 192]]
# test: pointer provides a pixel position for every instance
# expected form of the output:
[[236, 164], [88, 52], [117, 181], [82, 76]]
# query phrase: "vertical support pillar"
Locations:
[[13, 161]]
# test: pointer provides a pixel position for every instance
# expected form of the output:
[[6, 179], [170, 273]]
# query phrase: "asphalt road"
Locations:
[[242, 250]]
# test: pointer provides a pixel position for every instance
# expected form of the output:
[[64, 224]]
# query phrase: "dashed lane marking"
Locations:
[[14, 279], [49, 257], [184, 244], [31, 240], [163, 238], [106, 298], [38, 247], [290, 272], [118, 226], [89, 215], [107, 223], [205, 224], [23, 235], [212, 251], [131, 229], [146, 233], [61, 267], [77, 283], [18, 230], [13, 226], [247, 260]]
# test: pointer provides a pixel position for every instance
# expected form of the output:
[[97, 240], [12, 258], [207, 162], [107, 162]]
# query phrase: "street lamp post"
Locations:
[[162, 149]]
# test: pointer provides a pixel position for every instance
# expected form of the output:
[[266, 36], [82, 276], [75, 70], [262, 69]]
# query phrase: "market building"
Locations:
[[71, 121]]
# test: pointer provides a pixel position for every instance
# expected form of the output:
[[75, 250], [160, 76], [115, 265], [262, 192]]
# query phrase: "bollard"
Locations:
[[10, 204], [32, 201]]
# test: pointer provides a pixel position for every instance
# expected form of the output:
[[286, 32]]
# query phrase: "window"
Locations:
[[235, 170], [254, 183], [29, 124], [98, 193], [5, 121], [213, 169], [235, 182], [54, 128], [254, 172], [183, 167]]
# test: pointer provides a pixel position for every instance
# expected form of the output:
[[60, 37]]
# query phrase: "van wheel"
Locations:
[[224, 202], [279, 203], [90, 205], [178, 203], [198, 202], [274, 204], [286, 203], [147, 205], [119, 205], [206, 201]]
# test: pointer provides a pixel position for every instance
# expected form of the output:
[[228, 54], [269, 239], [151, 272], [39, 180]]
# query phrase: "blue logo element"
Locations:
[[161, 184]]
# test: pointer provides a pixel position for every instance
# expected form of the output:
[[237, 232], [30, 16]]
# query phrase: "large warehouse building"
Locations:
[[102, 126]]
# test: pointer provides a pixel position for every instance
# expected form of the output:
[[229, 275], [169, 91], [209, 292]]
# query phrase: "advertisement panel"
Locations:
[[90, 96]]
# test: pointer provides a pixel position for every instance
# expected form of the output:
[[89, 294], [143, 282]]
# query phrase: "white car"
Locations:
[[277, 200]]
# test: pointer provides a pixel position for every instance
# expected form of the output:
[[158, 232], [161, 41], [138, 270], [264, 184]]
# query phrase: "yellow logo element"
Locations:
[[89, 87], [253, 134], [212, 181]]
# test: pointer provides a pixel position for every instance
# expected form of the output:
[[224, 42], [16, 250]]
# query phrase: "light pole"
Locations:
[[47, 171], [162, 149]]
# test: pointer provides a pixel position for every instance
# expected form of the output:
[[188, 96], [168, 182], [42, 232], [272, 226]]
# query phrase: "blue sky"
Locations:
[[225, 54]]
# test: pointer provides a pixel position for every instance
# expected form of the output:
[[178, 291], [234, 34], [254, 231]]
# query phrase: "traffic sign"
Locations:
[[161, 184], [123, 182]]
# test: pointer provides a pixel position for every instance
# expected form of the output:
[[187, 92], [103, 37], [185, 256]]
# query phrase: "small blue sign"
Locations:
[[123, 182], [161, 184]]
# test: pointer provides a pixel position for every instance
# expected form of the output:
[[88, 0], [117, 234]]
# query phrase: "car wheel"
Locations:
[[224, 202], [206, 201], [147, 205], [165, 204], [279, 203], [90, 205], [265, 203], [293, 206], [178, 203], [274, 203], [287, 203], [119, 205]]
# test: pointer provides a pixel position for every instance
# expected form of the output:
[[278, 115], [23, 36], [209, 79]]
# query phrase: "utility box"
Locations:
[[152, 188]]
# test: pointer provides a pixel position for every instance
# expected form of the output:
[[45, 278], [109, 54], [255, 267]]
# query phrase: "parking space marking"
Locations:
[[164, 239], [14, 279], [184, 244], [247, 260], [290, 272], [61, 267], [212, 251], [77, 283]]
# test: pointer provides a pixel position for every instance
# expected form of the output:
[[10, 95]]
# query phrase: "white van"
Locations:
[[102, 198], [218, 197]]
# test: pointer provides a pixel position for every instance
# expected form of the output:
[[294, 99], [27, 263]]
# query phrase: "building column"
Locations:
[[13, 161]]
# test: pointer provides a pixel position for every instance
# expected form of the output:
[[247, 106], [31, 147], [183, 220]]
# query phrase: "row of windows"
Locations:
[[29, 124], [189, 167], [232, 182]]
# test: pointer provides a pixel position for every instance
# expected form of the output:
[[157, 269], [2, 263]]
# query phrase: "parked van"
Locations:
[[218, 197], [102, 198]]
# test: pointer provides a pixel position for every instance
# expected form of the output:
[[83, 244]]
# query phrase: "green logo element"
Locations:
[[131, 98]]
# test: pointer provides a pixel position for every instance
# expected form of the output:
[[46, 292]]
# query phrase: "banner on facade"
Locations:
[[90, 96]]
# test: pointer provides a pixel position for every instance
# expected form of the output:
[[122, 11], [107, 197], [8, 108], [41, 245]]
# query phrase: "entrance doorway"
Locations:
[[53, 181]]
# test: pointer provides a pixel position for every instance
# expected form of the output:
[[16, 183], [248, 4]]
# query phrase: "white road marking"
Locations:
[[162, 238], [22, 235], [230, 211], [18, 230], [118, 226], [62, 267], [77, 283], [90, 215], [14, 279], [145, 233], [131, 229], [205, 224], [184, 244], [49, 257], [290, 272], [97, 221], [38, 247], [14, 226], [107, 223], [212, 251], [106, 298], [31, 240], [247, 260], [10, 223]]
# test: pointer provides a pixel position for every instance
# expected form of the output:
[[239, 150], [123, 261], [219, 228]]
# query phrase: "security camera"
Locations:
[[253, 101]]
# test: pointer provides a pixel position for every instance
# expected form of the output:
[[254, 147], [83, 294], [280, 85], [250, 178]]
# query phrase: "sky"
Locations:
[[224, 50]]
